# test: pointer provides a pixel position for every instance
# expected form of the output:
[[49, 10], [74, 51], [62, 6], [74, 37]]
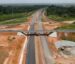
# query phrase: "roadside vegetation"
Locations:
[[61, 13], [71, 26], [14, 21], [11, 14]]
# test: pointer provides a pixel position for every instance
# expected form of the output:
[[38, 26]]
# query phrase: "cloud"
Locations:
[[37, 1]]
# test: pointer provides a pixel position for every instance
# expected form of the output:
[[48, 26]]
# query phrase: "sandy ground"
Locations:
[[12, 44], [52, 40], [18, 27], [59, 59]]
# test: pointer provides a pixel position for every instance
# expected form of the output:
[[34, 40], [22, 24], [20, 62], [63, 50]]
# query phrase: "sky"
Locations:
[[36, 1]]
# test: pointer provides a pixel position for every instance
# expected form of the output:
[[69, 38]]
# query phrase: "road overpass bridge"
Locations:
[[37, 32]]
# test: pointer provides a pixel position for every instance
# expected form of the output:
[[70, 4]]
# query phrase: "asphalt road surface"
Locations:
[[47, 52], [30, 47]]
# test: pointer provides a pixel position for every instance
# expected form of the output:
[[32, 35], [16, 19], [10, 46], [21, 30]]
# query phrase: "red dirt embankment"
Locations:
[[13, 45], [18, 27], [12, 42]]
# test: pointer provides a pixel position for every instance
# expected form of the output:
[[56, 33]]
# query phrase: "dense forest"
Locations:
[[61, 12], [17, 9], [8, 12]]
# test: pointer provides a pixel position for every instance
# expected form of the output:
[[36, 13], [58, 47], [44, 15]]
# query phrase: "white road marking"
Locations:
[[22, 51], [6, 61]]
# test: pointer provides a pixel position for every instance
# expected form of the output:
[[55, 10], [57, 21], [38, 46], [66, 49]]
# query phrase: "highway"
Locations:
[[47, 52], [30, 47], [36, 48], [31, 59], [35, 45]]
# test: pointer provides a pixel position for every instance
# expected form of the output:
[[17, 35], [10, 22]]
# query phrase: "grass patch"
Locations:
[[60, 18], [72, 26], [10, 16], [16, 18], [16, 21]]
